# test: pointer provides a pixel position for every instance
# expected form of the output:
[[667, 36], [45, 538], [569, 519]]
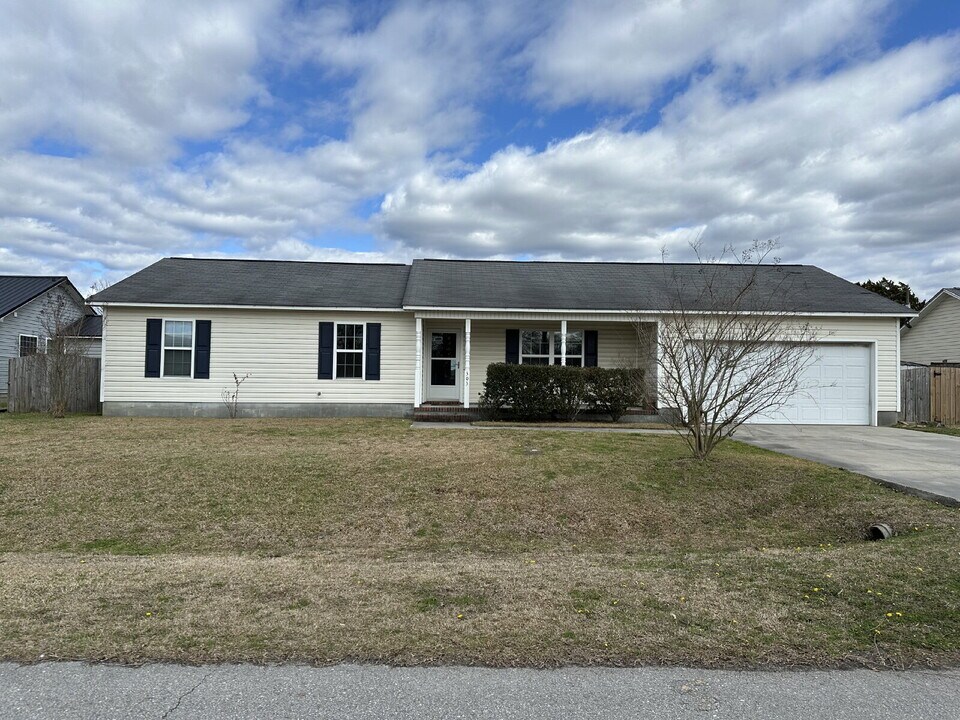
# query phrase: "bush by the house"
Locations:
[[613, 391], [554, 392]]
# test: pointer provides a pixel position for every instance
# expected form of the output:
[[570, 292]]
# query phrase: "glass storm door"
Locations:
[[443, 382]]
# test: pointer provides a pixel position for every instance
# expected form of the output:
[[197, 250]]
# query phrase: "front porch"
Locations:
[[453, 352]]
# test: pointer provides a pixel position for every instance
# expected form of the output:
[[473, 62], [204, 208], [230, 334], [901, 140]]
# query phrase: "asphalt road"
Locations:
[[352, 692], [925, 462]]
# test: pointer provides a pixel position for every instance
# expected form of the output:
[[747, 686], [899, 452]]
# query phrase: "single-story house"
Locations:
[[934, 335], [26, 303], [331, 339]]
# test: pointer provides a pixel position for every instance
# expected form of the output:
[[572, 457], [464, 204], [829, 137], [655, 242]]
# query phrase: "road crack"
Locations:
[[184, 695]]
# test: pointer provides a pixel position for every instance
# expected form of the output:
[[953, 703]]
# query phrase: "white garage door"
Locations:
[[836, 389]]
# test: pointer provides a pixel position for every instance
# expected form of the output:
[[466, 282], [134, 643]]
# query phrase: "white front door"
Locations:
[[443, 366]]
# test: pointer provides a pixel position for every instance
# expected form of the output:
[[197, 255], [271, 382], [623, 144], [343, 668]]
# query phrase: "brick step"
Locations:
[[445, 412], [442, 410], [444, 418]]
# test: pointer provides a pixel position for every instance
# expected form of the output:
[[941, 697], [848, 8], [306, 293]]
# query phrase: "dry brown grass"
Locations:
[[583, 424], [937, 429], [321, 541]]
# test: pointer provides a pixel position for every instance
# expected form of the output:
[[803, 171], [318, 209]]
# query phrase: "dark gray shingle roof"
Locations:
[[91, 326], [18, 290], [483, 284], [271, 283], [629, 286]]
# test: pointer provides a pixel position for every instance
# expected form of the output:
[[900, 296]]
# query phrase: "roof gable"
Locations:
[[951, 294], [17, 290]]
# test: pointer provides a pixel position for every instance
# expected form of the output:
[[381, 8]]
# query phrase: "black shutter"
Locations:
[[590, 348], [201, 357], [373, 351], [513, 347], [154, 343], [325, 371]]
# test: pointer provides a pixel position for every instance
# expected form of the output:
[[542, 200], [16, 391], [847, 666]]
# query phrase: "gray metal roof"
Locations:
[[486, 284], [632, 286], [269, 283], [18, 290]]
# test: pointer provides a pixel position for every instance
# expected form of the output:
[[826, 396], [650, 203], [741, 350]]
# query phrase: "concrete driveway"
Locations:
[[925, 463]]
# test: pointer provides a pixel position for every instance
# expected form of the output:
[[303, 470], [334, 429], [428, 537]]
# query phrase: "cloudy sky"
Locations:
[[588, 129]]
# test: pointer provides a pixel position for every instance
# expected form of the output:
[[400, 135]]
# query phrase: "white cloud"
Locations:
[[855, 172], [625, 52], [126, 80], [129, 82]]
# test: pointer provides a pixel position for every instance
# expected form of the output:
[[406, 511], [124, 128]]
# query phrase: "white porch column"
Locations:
[[418, 376], [563, 342], [466, 363]]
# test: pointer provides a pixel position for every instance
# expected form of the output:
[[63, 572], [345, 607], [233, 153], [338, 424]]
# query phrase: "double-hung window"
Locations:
[[29, 345], [542, 347], [534, 347], [348, 350], [177, 348]]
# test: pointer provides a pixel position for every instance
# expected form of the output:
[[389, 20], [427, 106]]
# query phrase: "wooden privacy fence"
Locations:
[[930, 394], [915, 394], [945, 394], [30, 388]]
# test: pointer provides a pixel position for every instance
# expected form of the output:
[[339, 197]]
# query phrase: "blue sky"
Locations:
[[383, 131]]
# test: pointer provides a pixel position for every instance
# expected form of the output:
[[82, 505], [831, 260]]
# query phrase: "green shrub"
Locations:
[[526, 389], [613, 391], [554, 392], [570, 391]]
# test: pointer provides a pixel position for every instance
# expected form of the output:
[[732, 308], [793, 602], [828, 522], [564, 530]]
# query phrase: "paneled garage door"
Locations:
[[836, 389]]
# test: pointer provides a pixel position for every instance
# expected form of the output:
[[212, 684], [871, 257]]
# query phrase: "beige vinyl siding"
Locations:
[[936, 336], [279, 348]]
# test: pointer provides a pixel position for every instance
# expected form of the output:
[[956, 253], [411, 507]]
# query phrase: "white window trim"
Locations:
[[552, 356], [20, 344], [163, 347], [362, 350]]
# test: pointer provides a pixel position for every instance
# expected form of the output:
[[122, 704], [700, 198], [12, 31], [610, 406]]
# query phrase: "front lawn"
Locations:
[[328, 540]]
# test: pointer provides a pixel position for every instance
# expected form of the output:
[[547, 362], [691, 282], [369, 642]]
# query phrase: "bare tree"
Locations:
[[98, 285], [231, 396], [728, 349], [64, 350]]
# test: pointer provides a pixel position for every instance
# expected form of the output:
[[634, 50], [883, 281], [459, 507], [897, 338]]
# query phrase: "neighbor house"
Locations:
[[26, 311], [328, 339], [934, 335]]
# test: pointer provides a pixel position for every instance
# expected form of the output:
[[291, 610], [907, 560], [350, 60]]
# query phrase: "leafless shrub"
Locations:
[[231, 396], [61, 324], [729, 351]]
